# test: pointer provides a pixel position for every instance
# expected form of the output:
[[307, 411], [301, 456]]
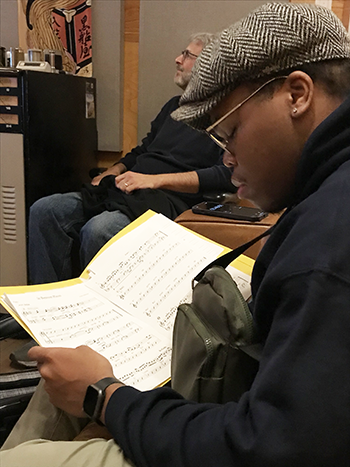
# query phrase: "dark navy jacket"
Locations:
[[169, 147], [174, 147], [297, 413]]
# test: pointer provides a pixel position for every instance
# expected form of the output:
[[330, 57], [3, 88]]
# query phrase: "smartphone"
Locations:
[[230, 211]]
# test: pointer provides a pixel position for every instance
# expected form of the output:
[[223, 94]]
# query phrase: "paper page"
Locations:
[[24, 289], [242, 280], [75, 315], [149, 272]]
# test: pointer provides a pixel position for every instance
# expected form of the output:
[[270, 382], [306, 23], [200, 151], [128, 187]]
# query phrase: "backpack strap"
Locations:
[[227, 259]]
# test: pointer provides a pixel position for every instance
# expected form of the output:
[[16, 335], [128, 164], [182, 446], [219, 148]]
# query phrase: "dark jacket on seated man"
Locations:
[[170, 147]]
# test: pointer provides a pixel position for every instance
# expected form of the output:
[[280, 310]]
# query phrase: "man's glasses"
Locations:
[[187, 54], [222, 141]]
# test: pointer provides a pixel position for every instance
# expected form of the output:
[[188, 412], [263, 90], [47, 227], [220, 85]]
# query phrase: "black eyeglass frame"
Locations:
[[187, 54]]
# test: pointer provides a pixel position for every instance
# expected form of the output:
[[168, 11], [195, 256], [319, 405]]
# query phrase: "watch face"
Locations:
[[92, 396], [95, 396]]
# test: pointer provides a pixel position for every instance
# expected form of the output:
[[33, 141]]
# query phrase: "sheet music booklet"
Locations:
[[124, 303]]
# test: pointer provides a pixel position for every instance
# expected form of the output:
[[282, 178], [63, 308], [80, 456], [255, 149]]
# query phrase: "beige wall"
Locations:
[[8, 24], [107, 68]]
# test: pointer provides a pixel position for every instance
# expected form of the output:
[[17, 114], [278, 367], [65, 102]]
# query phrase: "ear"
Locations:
[[300, 88]]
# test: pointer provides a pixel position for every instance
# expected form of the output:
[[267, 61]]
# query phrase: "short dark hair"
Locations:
[[332, 75]]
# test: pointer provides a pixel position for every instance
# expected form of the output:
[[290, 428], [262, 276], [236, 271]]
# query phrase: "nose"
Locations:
[[229, 159], [179, 59]]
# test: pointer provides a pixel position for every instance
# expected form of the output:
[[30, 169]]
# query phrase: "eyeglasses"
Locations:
[[221, 141], [187, 54]]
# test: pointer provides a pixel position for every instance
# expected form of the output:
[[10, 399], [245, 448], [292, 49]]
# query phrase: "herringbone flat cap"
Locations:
[[274, 37]]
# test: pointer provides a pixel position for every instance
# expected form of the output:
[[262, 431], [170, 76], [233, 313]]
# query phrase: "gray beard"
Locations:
[[182, 80]]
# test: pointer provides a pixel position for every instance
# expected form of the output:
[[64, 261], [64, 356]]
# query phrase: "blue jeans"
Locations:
[[56, 223]]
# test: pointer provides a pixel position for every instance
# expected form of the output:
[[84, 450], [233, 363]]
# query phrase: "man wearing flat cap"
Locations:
[[273, 92]]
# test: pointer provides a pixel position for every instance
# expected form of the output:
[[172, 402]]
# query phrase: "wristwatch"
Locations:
[[95, 397]]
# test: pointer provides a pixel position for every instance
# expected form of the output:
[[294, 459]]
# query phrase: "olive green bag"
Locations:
[[215, 355]]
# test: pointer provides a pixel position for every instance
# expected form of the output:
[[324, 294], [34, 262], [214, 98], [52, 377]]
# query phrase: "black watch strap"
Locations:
[[105, 382]]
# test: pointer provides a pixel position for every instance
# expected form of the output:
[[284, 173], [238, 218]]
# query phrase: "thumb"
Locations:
[[38, 353]]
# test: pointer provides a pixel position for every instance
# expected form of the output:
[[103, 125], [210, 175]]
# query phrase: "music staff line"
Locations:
[[131, 263]]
